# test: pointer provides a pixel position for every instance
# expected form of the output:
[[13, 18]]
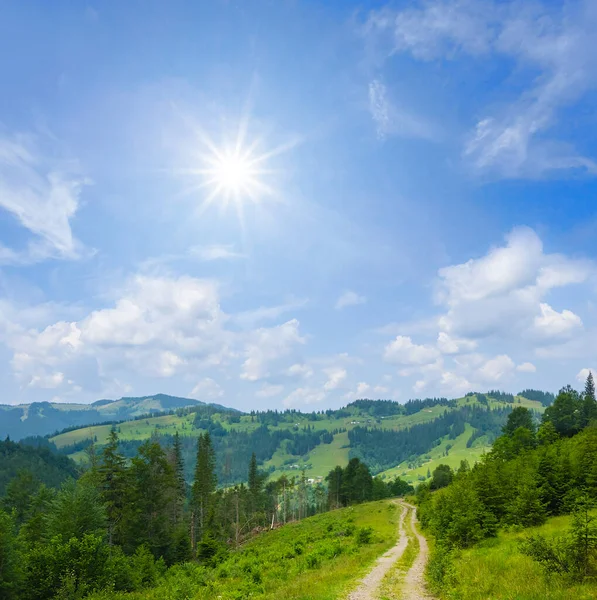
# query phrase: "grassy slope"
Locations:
[[458, 452], [317, 558], [497, 570], [325, 456]]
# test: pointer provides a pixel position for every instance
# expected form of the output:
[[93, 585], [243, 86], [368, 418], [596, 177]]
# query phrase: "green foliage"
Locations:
[[573, 554], [10, 559], [40, 465]]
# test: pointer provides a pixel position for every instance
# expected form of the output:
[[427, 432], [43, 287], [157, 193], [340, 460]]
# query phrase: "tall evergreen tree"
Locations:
[[589, 403], [181, 484], [204, 485], [112, 476]]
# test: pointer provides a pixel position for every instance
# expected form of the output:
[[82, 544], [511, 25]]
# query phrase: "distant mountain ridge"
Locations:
[[44, 418]]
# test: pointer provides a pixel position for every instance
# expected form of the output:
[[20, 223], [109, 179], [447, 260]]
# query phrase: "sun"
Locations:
[[234, 174]]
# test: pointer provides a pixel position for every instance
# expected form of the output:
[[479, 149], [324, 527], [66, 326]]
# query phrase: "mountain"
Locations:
[[408, 440], [43, 418]]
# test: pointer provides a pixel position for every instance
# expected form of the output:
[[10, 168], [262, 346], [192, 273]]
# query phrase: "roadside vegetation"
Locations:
[[499, 529]]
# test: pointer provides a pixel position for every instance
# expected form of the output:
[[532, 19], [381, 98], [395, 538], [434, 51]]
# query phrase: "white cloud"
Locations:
[[363, 389], [335, 377], [552, 323], [206, 390], [268, 345], [269, 391], [526, 367], [502, 291], [582, 375], [448, 345], [299, 370], [496, 368], [157, 327], [304, 396], [402, 351], [392, 120], [381, 389], [43, 195], [349, 298], [53, 380], [551, 47]]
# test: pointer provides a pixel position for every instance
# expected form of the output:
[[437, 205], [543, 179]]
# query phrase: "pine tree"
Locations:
[[589, 404], [112, 476], [204, 485], [255, 484], [181, 485]]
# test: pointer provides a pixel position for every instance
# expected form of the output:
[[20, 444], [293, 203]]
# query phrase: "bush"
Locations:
[[364, 535]]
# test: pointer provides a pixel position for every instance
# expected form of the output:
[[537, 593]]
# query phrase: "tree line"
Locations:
[[123, 522], [534, 471]]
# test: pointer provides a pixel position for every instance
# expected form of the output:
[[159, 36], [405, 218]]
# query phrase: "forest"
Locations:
[[123, 523], [534, 472]]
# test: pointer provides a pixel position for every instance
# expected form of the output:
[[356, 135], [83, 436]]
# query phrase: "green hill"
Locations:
[[393, 439], [43, 464], [43, 418]]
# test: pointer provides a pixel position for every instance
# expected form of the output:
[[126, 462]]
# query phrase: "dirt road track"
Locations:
[[371, 582]]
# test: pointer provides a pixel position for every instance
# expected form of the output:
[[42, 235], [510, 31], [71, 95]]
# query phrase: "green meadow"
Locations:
[[497, 569], [319, 558]]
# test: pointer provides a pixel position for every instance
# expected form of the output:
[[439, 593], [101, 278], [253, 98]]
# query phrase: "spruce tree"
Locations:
[[589, 404], [181, 485], [112, 477], [255, 483], [204, 484]]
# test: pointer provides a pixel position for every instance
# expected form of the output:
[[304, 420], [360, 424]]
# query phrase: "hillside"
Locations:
[[43, 418], [45, 466], [393, 439]]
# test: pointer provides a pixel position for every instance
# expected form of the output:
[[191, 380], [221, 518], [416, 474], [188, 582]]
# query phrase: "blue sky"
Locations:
[[414, 213]]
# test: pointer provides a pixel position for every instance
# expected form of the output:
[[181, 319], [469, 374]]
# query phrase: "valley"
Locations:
[[287, 443]]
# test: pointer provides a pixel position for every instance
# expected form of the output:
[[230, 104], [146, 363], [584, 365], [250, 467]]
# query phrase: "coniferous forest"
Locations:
[[534, 471], [123, 523]]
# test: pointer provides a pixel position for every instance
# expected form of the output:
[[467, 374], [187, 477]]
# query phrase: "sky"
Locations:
[[295, 204]]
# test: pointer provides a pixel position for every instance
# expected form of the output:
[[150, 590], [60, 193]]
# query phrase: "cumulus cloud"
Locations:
[[207, 389], [349, 298], [269, 391], [502, 291], [299, 370], [335, 377], [43, 195], [156, 327], [551, 45], [304, 396], [553, 323], [496, 369], [582, 375], [494, 301], [402, 351], [526, 367], [267, 345]]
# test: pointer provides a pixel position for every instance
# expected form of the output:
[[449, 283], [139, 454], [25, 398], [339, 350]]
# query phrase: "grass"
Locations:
[[316, 559], [496, 569], [457, 453], [394, 579]]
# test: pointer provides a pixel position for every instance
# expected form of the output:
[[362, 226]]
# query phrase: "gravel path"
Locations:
[[414, 582], [369, 585]]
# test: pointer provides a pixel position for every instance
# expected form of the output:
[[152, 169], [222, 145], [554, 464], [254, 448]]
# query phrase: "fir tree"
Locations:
[[204, 484], [589, 404], [112, 476]]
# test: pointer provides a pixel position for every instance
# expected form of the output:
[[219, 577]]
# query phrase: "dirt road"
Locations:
[[369, 585], [414, 581]]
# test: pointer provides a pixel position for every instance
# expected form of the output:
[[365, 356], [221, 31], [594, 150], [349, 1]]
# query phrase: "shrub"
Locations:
[[364, 535]]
